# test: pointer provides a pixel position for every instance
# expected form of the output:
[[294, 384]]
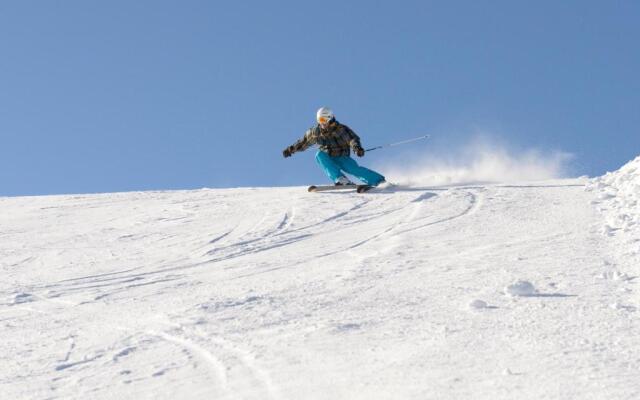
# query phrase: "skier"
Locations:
[[335, 140]]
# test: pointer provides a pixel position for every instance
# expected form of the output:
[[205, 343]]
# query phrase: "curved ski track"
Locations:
[[236, 373], [282, 232], [412, 218], [407, 219]]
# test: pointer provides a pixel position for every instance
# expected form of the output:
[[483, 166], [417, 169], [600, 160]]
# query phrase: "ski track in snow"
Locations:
[[278, 293], [236, 369], [217, 364], [235, 373]]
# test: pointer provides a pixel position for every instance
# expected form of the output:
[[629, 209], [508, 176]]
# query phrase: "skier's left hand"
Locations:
[[359, 151]]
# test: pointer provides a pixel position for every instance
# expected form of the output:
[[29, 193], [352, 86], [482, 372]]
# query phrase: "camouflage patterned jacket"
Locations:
[[336, 140]]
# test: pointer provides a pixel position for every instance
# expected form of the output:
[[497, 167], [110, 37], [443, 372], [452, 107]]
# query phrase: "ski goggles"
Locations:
[[324, 120]]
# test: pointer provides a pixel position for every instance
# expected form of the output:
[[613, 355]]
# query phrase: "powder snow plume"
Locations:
[[479, 162]]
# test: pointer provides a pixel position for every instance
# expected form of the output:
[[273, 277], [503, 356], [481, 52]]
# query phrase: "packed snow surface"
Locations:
[[276, 293]]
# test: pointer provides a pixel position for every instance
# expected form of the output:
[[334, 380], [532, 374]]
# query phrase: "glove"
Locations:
[[288, 152], [359, 151]]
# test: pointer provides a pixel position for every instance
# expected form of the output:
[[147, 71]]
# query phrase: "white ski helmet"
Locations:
[[324, 115]]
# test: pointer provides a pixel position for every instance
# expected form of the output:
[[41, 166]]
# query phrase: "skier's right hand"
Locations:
[[288, 152]]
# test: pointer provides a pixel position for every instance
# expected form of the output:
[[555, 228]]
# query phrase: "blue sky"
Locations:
[[101, 96]]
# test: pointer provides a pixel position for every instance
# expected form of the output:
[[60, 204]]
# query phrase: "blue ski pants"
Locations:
[[335, 166]]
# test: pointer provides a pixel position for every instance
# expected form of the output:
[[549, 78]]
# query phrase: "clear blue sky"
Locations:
[[101, 96]]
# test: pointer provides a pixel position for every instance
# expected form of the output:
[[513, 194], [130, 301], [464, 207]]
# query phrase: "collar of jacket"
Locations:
[[333, 125]]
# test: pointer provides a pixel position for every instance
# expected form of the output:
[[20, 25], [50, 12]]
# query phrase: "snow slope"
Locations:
[[469, 292]]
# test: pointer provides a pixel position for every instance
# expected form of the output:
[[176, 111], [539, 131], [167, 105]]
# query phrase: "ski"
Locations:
[[326, 188], [329, 188], [384, 187], [364, 188]]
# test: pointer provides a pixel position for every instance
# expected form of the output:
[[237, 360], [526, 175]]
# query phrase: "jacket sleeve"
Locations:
[[304, 143], [354, 140]]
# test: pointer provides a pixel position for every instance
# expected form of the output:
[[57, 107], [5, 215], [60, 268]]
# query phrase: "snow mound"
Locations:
[[520, 288], [615, 276], [618, 306], [478, 304], [21, 298], [617, 196]]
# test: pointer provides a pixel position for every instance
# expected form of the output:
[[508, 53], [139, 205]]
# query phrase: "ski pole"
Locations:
[[399, 143]]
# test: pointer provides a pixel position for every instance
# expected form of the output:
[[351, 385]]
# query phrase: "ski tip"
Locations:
[[311, 189]]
